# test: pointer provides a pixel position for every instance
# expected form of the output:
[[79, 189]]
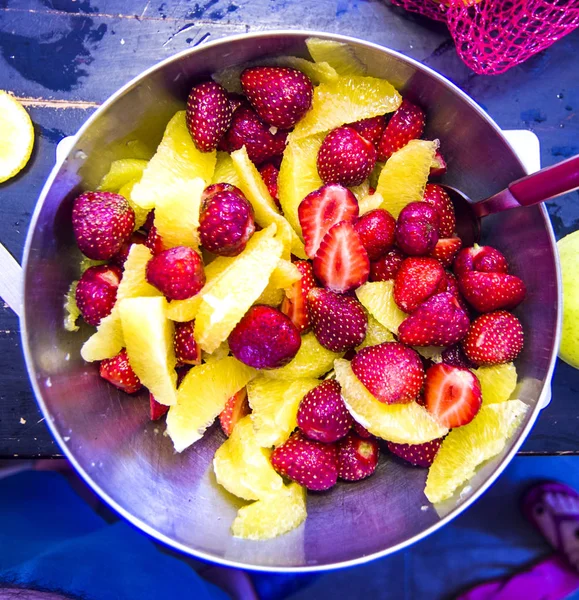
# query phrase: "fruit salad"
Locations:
[[285, 266]]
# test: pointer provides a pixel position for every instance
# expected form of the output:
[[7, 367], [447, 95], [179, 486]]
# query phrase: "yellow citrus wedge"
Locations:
[[121, 172], [16, 135], [376, 334], [225, 171], [71, 312], [497, 383], [377, 297], [340, 56], [141, 214], [370, 202]]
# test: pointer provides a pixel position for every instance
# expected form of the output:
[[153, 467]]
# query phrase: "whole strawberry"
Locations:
[[455, 356], [480, 258], [338, 322], [357, 457], [440, 321], [406, 124], [486, 292], [154, 242], [391, 372], [281, 96], [494, 338], [186, 348], [387, 266], [417, 279], [118, 371], [102, 222], [226, 221], [419, 455], [269, 173], [437, 197], [345, 157], [452, 288], [370, 129], [265, 338], [322, 414], [156, 410], [376, 230], [96, 292], [446, 249], [417, 229], [294, 304], [311, 464], [208, 114], [177, 273]]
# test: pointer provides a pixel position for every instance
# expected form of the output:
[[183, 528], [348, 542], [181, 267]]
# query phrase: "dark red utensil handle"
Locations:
[[547, 183]]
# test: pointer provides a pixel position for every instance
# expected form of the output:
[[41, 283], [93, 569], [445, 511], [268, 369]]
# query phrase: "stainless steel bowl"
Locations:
[[128, 461]]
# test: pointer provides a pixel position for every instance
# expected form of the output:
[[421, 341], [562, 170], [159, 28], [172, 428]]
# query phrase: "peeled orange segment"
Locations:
[[108, 339], [433, 353], [141, 214], [370, 202], [225, 171], [404, 176], [274, 404], [377, 297], [376, 334], [87, 263], [243, 467], [264, 207], [239, 286], [298, 175], [16, 135], [399, 423], [312, 360], [282, 277], [271, 296], [346, 100], [177, 159], [71, 312], [497, 382], [272, 516], [121, 172], [177, 213], [340, 56], [467, 447], [148, 335], [202, 396], [221, 352], [318, 72], [230, 78]]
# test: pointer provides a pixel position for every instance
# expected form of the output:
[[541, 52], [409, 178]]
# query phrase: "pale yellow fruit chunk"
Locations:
[[569, 255], [148, 335], [433, 353], [71, 312], [467, 447], [298, 175], [377, 297], [404, 176], [177, 213], [272, 516], [346, 100], [312, 360], [376, 334], [121, 172], [108, 339], [318, 72], [399, 423], [16, 136], [243, 467], [177, 159], [370, 202], [225, 171], [223, 306], [271, 296], [141, 214], [497, 383], [202, 396], [274, 403], [264, 207], [282, 277], [339, 55]]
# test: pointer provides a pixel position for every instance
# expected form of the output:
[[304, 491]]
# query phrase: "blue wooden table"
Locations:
[[62, 58]]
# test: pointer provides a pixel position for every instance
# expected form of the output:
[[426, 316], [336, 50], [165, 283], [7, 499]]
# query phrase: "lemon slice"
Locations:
[[17, 135]]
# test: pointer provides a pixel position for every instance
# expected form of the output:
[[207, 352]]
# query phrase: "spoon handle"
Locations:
[[534, 189]]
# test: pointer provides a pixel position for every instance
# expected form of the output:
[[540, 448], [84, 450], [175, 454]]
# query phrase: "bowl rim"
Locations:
[[542, 399]]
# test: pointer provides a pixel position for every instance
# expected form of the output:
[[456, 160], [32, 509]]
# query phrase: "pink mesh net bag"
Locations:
[[491, 36]]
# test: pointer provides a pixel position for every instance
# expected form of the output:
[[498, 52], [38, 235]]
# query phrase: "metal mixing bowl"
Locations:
[[126, 458]]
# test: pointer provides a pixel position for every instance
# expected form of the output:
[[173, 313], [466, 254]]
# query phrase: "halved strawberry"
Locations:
[[235, 409], [208, 114], [118, 371], [417, 279], [494, 338], [438, 167], [186, 348], [322, 209], [370, 129], [406, 124], [341, 263], [486, 292], [437, 197], [446, 249], [419, 455], [294, 304], [453, 395]]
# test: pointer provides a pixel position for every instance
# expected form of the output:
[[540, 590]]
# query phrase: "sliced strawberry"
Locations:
[[438, 167], [440, 321], [453, 395], [417, 279], [437, 197], [446, 249], [156, 410], [235, 409], [186, 348], [357, 457], [96, 292], [392, 372], [494, 338], [269, 173], [281, 96], [339, 322], [386, 267], [406, 124], [376, 230], [480, 258], [341, 263], [208, 114], [370, 129], [321, 210], [486, 292], [294, 304], [118, 371], [419, 455]]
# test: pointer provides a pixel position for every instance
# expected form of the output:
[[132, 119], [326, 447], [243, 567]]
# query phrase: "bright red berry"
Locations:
[[406, 124], [486, 292], [118, 371], [357, 457], [235, 409], [377, 232], [269, 173], [438, 167], [186, 348], [446, 249], [370, 129], [96, 292], [387, 266], [480, 258], [418, 279], [437, 197], [121, 256], [419, 455], [177, 273], [154, 242], [294, 304], [208, 114]]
